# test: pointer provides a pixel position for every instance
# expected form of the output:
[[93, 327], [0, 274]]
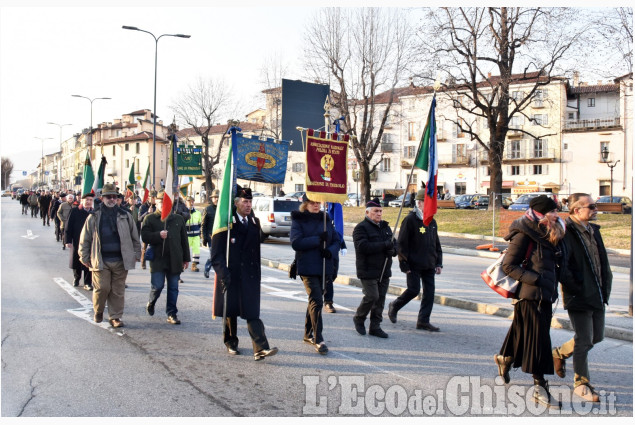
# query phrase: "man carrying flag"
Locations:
[[419, 248], [236, 261]]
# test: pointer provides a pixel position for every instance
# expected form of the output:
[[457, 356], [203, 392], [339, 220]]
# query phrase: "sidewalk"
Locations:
[[470, 293]]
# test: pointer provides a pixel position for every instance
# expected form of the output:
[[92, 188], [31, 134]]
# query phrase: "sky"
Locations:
[[48, 53]]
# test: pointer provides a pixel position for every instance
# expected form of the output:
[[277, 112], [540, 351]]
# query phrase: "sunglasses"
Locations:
[[591, 207], [110, 196]]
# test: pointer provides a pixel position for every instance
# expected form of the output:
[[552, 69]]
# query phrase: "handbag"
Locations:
[[149, 253], [496, 278]]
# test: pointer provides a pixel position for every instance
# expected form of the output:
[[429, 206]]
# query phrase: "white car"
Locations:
[[274, 215]]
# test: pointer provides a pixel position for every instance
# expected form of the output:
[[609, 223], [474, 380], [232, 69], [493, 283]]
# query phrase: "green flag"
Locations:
[[223, 209], [88, 178], [131, 181]]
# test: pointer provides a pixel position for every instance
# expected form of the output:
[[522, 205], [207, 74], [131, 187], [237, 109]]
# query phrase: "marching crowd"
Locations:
[[108, 236]]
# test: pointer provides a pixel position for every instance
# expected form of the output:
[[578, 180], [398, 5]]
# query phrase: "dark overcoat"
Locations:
[[371, 251], [243, 295], [306, 228], [168, 258], [72, 231]]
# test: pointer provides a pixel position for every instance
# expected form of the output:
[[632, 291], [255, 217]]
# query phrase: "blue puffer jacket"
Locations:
[[306, 228]]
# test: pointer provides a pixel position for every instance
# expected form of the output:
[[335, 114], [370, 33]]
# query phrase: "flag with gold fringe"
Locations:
[[326, 162]]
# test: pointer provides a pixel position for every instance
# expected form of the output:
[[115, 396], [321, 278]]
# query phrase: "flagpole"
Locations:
[[229, 221]]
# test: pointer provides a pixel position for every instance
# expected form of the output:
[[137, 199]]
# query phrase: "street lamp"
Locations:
[[91, 116], [605, 158], [42, 139], [59, 166], [154, 109]]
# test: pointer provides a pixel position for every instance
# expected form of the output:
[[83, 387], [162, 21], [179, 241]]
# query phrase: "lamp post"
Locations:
[[90, 144], [42, 139], [605, 158], [59, 166], [154, 108]]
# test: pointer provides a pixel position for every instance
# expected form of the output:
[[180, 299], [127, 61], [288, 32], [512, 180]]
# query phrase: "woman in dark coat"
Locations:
[[72, 232], [537, 236], [308, 240]]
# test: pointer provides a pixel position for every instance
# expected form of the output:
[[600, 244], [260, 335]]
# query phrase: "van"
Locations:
[[274, 215]]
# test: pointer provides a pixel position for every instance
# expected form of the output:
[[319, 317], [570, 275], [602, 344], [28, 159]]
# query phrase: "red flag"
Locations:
[[326, 161]]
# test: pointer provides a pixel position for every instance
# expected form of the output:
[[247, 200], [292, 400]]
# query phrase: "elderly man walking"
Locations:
[[109, 247], [586, 287], [63, 213]]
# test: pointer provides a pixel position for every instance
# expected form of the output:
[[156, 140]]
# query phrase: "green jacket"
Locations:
[[168, 258], [90, 242], [582, 288]]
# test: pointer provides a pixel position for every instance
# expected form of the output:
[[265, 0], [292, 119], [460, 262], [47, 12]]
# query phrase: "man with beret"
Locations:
[[109, 247], [148, 207], [206, 229], [420, 257], [72, 233], [168, 240], [586, 287], [239, 278], [374, 249], [193, 227]]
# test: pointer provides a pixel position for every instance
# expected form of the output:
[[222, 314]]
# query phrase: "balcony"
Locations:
[[584, 125], [386, 147], [512, 155], [515, 132], [356, 173], [406, 164], [449, 160]]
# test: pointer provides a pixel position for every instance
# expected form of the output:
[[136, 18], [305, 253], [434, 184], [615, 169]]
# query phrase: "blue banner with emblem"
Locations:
[[261, 160]]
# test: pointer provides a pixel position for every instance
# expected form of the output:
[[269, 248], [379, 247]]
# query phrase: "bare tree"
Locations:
[[7, 169], [518, 45], [272, 72], [615, 29], [200, 107], [361, 53]]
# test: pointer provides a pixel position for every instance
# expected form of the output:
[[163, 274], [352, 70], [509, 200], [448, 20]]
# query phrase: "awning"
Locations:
[[506, 184]]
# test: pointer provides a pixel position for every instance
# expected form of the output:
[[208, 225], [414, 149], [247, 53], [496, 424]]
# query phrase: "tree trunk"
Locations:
[[364, 181]]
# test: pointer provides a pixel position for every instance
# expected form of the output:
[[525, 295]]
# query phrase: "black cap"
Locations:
[[543, 204], [244, 192], [373, 203]]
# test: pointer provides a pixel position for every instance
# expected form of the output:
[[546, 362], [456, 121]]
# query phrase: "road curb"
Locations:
[[483, 308]]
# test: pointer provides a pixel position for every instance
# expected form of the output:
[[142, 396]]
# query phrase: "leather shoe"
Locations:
[[150, 309], [586, 392], [328, 307], [378, 333], [116, 323], [76, 283], [321, 348], [428, 327], [206, 274], [173, 320], [392, 314], [504, 364], [88, 287], [259, 355], [308, 340], [234, 351], [99, 317], [360, 328], [559, 366]]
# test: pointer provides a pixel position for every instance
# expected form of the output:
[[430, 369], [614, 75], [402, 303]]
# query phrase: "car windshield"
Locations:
[[524, 199], [616, 199], [285, 206]]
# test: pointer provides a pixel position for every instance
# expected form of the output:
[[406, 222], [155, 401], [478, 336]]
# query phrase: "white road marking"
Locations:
[[86, 310], [30, 235], [293, 295]]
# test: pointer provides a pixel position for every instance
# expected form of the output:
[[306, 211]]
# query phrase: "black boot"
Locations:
[[504, 364], [543, 396]]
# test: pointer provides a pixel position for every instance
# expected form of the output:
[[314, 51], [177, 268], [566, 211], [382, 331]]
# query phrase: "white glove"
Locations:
[[343, 251]]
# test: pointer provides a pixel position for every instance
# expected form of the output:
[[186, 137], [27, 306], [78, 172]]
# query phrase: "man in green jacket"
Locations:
[[168, 240], [109, 246], [586, 287]]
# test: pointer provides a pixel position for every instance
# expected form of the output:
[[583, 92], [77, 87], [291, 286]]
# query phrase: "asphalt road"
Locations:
[[57, 362]]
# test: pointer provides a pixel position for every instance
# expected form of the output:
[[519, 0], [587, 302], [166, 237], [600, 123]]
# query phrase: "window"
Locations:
[[413, 180], [566, 146], [460, 153], [540, 119], [127, 163], [537, 169], [517, 95], [298, 167], [126, 147], [118, 133], [137, 148], [409, 152], [514, 149], [411, 131], [516, 122], [113, 151], [385, 165], [591, 102], [539, 149], [571, 115], [459, 188], [136, 165], [162, 164], [299, 187], [515, 170]]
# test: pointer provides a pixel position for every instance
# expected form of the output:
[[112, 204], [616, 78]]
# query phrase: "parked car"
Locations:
[[480, 202], [507, 200], [6, 193], [627, 205], [353, 200], [274, 215], [397, 202], [257, 194], [464, 201], [522, 203], [296, 195]]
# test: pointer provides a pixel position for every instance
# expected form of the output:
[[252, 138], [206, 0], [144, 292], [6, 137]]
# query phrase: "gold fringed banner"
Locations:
[[326, 161]]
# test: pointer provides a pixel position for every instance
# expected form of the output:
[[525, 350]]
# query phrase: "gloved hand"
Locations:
[[325, 253], [207, 242], [391, 252], [343, 251], [388, 245], [225, 283], [204, 242], [324, 236]]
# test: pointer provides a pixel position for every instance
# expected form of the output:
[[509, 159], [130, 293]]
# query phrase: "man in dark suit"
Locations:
[[239, 277], [72, 232]]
